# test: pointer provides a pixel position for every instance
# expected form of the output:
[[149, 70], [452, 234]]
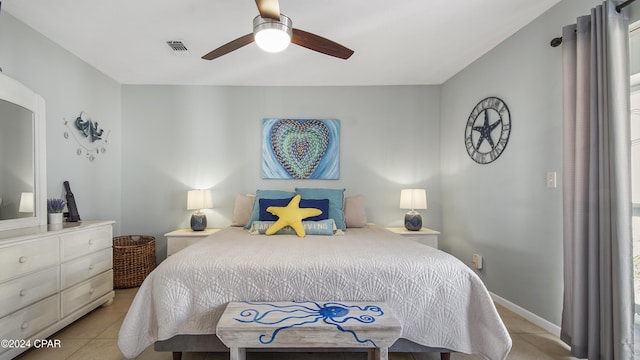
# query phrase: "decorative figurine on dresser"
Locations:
[[50, 276], [71, 204]]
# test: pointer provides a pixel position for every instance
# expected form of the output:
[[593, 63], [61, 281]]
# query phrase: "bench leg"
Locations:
[[379, 354], [237, 353]]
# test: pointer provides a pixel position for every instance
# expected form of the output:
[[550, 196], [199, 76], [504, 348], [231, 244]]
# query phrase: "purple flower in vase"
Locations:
[[55, 205]]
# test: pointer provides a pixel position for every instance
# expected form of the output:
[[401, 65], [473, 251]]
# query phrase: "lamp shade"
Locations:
[[26, 202], [199, 199], [413, 199]]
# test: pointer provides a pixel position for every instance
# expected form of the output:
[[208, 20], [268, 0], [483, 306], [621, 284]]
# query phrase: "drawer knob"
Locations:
[[91, 291], [91, 242], [22, 259], [91, 267], [23, 292], [24, 325]]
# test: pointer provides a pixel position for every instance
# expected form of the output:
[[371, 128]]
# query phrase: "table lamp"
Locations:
[[198, 200], [413, 199]]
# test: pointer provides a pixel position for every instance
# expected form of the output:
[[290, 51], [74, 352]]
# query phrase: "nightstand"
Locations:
[[424, 236], [181, 238]]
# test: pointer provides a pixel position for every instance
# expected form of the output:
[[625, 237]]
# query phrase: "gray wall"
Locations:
[[177, 138], [503, 210], [69, 86]]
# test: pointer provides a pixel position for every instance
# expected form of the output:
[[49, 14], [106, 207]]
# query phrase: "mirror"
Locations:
[[22, 144], [16, 161]]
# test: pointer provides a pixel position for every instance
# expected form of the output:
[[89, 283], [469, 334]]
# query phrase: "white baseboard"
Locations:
[[545, 324]]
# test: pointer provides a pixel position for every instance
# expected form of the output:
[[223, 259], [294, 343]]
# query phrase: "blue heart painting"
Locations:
[[300, 149]]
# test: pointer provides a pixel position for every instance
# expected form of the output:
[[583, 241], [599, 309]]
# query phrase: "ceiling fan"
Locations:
[[273, 32]]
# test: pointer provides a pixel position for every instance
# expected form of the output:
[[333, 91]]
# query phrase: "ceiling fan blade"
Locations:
[[229, 47], [320, 44], [269, 9]]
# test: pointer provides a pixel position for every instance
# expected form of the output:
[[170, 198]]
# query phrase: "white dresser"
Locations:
[[50, 278]]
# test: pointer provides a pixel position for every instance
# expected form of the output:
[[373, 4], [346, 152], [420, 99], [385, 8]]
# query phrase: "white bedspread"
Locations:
[[440, 302]]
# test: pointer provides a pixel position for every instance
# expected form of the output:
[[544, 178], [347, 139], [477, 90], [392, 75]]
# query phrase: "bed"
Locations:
[[443, 305], [440, 302]]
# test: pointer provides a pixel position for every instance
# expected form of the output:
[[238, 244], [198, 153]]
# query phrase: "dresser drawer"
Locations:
[[18, 293], [85, 242], [80, 269], [30, 320], [83, 293], [27, 257]]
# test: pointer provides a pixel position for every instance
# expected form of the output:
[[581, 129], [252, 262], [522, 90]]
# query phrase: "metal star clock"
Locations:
[[487, 132]]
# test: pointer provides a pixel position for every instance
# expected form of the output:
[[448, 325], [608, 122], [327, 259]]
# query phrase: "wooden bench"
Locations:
[[323, 324]]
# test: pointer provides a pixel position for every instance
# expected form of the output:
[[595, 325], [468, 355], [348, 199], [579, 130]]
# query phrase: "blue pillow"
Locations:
[[265, 203], [336, 202], [324, 227], [322, 204], [266, 194]]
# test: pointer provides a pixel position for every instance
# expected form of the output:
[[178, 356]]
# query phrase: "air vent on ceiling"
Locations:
[[178, 47]]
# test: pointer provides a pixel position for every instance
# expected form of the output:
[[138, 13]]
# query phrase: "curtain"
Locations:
[[597, 315]]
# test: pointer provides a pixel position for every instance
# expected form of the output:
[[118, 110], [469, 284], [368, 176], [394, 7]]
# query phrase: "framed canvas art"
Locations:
[[300, 149]]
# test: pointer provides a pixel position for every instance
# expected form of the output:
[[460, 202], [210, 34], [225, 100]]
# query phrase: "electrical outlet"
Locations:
[[551, 179], [477, 261]]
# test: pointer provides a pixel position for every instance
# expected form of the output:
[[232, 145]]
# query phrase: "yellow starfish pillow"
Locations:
[[291, 215]]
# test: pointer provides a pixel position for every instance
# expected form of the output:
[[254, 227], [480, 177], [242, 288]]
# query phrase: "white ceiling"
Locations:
[[396, 43]]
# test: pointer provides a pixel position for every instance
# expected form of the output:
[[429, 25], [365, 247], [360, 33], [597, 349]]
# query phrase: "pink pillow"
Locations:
[[242, 209], [354, 214]]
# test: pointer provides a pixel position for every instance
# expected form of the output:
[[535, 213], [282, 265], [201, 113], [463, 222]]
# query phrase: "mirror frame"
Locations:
[[14, 92]]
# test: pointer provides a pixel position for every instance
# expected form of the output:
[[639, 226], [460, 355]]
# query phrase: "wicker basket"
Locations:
[[134, 257]]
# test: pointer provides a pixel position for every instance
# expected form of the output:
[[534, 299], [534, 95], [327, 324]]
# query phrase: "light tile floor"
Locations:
[[95, 336]]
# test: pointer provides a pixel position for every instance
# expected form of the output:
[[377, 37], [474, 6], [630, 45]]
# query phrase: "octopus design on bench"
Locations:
[[331, 313]]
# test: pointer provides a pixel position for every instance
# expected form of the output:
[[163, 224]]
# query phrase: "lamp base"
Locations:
[[413, 221], [198, 222]]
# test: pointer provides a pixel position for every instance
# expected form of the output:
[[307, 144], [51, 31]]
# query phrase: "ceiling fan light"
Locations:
[[272, 40], [272, 35]]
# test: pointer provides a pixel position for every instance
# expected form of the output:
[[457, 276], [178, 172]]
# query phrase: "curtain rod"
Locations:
[[555, 42], [624, 5]]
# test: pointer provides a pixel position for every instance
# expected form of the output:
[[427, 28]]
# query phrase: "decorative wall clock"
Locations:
[[487, 132], [89, 135]]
